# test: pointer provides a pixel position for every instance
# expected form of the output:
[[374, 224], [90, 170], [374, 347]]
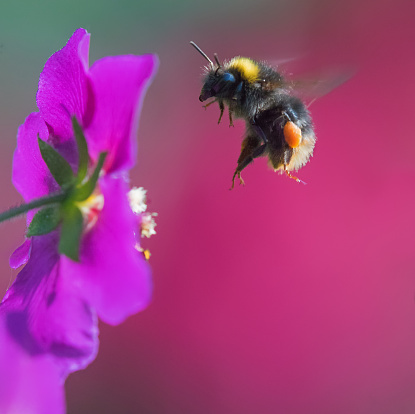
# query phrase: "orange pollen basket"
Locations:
[[292, 134]]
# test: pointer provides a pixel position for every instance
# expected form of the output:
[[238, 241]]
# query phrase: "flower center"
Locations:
[[90, 209]]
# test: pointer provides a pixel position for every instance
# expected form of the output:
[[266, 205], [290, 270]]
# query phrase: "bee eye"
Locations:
[[228, 77]]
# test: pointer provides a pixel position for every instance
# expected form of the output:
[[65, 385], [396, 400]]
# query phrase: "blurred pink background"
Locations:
[[274, 297]]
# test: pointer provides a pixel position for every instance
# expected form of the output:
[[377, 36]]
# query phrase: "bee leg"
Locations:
[[241, 181], [288, 174], [257, 152], [210, 103], [244, 162], [259, 131], [230, 118], [222, 108]]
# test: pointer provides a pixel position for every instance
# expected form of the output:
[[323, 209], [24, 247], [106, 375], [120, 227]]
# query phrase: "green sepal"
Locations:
[[71, 232], [85, 190], [44, 221], [58, 166], [82, 150]]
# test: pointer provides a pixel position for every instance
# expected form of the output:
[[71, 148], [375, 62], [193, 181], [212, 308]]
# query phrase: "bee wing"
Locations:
[[312, 87], [282, 61]]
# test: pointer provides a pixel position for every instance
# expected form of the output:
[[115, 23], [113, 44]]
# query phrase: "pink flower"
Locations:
[[48, 318]]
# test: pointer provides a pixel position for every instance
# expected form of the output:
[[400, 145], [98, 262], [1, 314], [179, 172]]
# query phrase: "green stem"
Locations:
[[38, 202]]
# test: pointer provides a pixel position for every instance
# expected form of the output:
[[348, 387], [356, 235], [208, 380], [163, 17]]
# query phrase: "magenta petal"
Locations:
[[45, 311], [112, 275], [21, 255], [31, 177], [119, 84], [63, 85], [28, 384]]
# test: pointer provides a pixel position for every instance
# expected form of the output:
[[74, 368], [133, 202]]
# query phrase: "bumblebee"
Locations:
[[278, 124]]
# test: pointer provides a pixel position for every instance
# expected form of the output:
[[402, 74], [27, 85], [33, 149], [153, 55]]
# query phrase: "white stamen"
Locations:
[[148, 224], [137, 198]]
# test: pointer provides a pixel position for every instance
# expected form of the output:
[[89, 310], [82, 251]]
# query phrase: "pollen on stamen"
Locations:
[[137, 198], [146, 222], [145, 252]]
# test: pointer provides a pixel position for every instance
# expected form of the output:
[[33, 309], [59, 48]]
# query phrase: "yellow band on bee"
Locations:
[[247, 67]]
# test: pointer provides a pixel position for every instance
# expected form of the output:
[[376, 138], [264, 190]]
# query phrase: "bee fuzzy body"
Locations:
[[278, 124], [285, 154]]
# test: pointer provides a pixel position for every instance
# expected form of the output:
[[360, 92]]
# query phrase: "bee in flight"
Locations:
[[278, 124]]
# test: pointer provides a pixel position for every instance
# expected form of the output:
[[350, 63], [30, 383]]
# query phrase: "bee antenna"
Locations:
[[217, 60], [202, 52]]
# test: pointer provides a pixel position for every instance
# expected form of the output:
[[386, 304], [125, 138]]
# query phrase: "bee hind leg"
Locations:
[[288, 174]]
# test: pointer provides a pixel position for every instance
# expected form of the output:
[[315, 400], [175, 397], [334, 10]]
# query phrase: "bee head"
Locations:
[[219, 83]]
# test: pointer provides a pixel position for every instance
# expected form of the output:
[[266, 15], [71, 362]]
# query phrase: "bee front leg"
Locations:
[[210, 103], [230, 118], [221, 107]]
